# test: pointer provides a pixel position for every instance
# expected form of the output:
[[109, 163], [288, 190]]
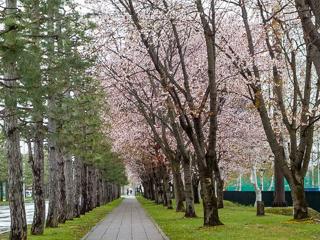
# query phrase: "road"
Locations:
[[5, 216]]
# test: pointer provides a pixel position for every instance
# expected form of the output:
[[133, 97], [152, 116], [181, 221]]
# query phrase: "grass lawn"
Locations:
[[77, 228], [240, 223]]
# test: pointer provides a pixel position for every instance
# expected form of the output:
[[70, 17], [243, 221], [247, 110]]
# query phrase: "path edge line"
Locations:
[[163, 235], [98, 223]]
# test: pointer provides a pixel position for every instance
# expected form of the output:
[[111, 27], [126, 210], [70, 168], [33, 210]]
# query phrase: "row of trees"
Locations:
[[52, 103], [208, 87]]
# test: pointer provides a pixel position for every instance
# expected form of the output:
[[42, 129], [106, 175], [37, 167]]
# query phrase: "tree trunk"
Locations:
[[279, 189], [90, 189], [166, 187], [84, 188], [195, 187], [77, 183], [210, 208], [37, 166], [98, 189], [62, 188], [300, 206], [190, 210], [53, 210], [1, 191], [219, 189], [18, 228], [151, 189], [70, 187], [178, 186]]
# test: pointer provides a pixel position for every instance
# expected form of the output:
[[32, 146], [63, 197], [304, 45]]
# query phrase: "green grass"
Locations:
[[240, 223], [77, 228]]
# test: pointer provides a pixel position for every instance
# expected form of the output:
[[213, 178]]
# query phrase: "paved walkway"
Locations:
[[127, 222]]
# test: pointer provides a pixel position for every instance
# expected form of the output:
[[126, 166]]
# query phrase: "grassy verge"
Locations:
[[240, 224], [77, 228]]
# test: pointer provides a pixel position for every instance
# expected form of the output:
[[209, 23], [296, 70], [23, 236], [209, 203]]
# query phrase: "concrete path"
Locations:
[[127, 222]]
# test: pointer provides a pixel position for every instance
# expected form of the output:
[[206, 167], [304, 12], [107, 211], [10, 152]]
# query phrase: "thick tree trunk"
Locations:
[[53, 210], [219, 189], [18, 228], [166, 187], [190, 210], [62, 188], [210, 206], [300, 205], [37, 165], [178, 186], [279, 189], [70, 187], [151, 189], [195, 187]]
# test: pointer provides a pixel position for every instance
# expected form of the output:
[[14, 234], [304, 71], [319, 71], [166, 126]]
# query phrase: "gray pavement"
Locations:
[[127, 222]]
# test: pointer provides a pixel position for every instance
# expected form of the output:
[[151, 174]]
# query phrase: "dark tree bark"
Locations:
[[70, 187], [53, 210], [195, 187], [178, 186], [209, 163], [18, 228], [61, 187], [166, 187], [190, 210], [1, 191], [36, 161], [220, 186], [84, 189], [90, 189], [279, 189], [77, 183]]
